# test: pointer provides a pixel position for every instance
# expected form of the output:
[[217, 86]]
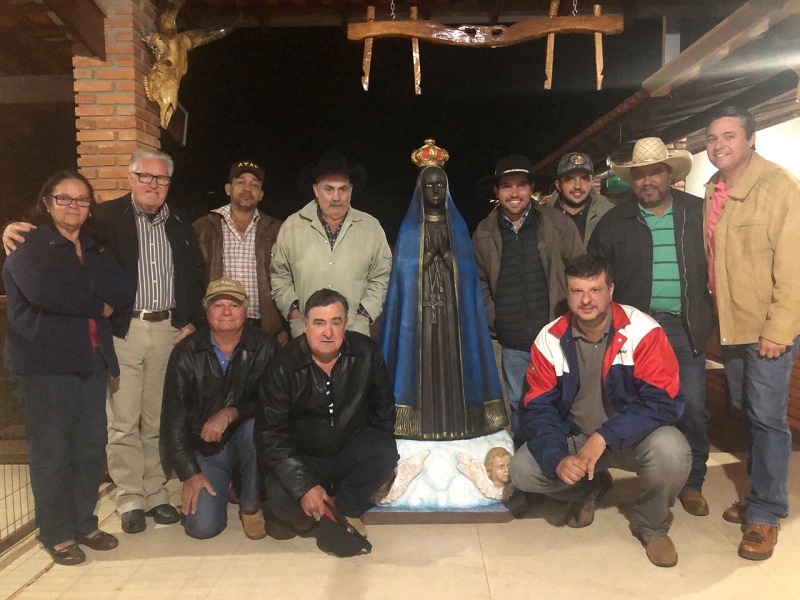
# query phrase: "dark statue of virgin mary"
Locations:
[[435, 336]]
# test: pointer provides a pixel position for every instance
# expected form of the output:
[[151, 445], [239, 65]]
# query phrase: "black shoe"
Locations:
[[100, 541], [164, 514], [71, 555], [133, 521]]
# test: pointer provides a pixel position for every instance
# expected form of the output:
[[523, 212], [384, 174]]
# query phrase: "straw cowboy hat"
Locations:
[[650, 151]]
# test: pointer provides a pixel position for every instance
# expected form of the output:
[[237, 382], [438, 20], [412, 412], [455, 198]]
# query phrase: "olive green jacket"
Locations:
[[558, 241], [358, 267]]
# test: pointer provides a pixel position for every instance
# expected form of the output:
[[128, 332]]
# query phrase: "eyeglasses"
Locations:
[[148, 178], [66, 200]]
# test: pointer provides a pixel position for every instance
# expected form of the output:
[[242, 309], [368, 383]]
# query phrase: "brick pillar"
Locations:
[[113, 115]]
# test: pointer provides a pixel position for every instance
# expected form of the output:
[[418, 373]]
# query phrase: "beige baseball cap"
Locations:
[[225, 286]]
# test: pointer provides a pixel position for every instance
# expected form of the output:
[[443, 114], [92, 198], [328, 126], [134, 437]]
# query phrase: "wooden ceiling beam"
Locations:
[[329, 14], [489, 36], [84, 20], [746, 24], [647, 9]]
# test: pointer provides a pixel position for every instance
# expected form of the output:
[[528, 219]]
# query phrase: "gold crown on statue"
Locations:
[[429, 155]]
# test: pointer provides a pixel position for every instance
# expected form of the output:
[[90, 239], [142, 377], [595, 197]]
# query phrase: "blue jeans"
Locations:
[[239, 452], [65, 427], [694, 422], [515, 366], [760, 387]]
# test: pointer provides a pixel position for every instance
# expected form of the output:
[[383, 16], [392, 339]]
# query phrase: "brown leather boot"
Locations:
[[660, 550], [253, 524], [736, 512], [581, 514], [693, 503], [758, 541]]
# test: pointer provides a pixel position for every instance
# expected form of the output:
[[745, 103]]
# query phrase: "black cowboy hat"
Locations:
[[335, 535], [513, 164], [331, 162]]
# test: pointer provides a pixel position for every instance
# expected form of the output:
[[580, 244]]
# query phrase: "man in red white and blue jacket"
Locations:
[[604, 392]]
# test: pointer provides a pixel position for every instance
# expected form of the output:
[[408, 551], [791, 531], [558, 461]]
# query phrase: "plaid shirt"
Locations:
[[511, 226], [239, 257], [332, 235]]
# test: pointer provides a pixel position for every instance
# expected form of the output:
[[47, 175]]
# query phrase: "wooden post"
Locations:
[[415, 57], [367, 61], [598, 51], [551, 42]]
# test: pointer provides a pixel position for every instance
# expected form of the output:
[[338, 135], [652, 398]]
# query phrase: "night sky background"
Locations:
[[281, 97]]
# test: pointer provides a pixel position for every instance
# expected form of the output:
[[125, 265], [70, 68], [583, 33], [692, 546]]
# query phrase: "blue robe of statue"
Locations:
[[435, 338]]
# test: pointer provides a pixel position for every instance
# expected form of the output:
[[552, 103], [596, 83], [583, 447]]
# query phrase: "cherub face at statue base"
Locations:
[[433, 184], [497, 465]]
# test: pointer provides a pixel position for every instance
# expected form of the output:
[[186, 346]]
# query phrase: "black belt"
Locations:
[[154, 316]]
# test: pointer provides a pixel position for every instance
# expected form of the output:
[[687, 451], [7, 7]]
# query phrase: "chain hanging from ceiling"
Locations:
[[492, 36]]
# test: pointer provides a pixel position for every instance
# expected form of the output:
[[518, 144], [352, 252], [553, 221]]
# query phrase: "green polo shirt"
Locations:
[[666, 295]]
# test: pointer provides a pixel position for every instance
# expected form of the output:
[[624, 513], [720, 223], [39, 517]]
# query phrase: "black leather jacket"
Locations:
[[195, 389], [293, 420], [116, 226], [625, 241]]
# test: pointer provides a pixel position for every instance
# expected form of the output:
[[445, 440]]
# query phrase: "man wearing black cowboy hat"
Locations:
[[520, 249], [330, 244], [236, 241]]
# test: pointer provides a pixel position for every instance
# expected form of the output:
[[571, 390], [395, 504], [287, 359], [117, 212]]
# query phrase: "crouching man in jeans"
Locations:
[[604, 392], [325, 424], [210, 396]]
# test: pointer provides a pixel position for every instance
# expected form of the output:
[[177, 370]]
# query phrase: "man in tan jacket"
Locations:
[[752, 228]]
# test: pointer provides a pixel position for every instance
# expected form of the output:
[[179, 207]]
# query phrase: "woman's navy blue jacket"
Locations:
[[50, 297]]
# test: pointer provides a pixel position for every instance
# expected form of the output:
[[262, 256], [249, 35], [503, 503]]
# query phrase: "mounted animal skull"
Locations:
[[171, 51]]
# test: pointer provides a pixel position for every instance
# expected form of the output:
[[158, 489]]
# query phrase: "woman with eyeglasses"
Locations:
[[61, 289]]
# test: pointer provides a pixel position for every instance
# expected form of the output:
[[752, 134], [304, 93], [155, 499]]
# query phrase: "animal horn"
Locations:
[[200, 37], [165, 24]]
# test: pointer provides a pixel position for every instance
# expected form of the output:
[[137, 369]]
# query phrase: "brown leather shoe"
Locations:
[[660, 550], [758, 541], [736, 512], [253, 525], [581, 514], [693, 503]]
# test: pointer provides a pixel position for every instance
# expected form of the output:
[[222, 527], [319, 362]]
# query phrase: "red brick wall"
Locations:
[[113, 115]]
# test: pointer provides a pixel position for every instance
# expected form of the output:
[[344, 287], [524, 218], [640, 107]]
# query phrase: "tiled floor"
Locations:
[[533, 557]]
